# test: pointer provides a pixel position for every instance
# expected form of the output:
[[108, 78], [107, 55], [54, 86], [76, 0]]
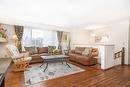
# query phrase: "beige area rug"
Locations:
[[36, 73]]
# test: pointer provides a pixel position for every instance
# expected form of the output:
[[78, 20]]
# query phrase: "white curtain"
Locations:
[[39, 38]]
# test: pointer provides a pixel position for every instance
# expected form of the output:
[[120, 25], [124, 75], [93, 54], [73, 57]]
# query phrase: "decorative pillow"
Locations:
[[87, 51], [56, 51], [79, 50], [42, 50], [31, 50], [51, 48], [94, 52]]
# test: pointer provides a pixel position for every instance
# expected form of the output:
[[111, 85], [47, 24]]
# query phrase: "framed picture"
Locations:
[[98, 39]]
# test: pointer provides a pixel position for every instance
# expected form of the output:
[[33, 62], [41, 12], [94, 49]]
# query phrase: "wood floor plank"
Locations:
[[116, 77]]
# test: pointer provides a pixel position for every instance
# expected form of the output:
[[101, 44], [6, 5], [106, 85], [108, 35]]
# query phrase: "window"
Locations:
[[39, 38]]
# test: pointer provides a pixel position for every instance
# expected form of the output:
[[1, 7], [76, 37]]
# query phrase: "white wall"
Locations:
[[80, 37], [129, 45], [10, 32], [118, 35]]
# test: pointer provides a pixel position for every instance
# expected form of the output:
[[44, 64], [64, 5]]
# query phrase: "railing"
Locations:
[[120, 54]]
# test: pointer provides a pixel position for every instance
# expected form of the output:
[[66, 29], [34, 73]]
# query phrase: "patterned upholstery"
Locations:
[[16, 56], [51, 48]]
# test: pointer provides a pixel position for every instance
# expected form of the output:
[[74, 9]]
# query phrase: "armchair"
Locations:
[[21, 60]]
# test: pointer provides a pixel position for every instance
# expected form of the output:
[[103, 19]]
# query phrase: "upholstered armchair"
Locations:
[[21, 60]]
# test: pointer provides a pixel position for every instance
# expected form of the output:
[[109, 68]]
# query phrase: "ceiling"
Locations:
[[64, 13]]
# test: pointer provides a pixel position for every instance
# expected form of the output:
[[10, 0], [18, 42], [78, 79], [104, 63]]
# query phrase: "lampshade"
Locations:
[[15, 37]]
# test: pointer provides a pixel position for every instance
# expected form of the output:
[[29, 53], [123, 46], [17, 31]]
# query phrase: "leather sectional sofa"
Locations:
[[37, 52], [76, 55], [36, 57]]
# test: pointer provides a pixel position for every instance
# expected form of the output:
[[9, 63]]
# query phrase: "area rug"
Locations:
[[36, 73]]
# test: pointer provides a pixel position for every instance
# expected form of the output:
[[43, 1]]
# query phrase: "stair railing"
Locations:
[[120, 54]]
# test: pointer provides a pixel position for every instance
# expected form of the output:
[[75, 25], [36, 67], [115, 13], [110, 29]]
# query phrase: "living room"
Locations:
[[52, 51]]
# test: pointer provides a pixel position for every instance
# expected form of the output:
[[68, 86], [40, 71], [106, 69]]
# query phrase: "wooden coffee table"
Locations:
[[54, 58]]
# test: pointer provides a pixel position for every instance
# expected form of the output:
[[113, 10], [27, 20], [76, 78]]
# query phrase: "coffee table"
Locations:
[[54, 58]]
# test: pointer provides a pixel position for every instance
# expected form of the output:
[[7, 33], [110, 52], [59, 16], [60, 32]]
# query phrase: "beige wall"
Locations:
[[10, 32], [80, 37], [129, 45], [118, 35]]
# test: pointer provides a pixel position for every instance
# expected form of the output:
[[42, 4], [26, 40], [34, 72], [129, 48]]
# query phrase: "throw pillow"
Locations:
[[87, 51], [79, 50], [94, 52], [51, 48], [56, 51]]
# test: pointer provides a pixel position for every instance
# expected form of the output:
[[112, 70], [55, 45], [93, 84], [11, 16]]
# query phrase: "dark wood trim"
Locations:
[[123, 56], [120, 54]]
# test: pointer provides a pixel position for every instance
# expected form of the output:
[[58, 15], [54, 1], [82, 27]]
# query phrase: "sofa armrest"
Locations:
[[89, 56], [71, 51]]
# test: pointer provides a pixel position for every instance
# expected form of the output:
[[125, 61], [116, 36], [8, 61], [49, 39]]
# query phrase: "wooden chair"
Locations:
[[21, 60]]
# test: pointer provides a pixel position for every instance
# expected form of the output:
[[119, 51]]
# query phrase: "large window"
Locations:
[[39, 38]]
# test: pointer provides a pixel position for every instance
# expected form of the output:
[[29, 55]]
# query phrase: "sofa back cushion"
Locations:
[[42, 50], [79, 50], [31, 50], [87, 51]]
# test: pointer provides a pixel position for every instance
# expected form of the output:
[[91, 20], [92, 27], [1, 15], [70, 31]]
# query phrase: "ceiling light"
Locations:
[[93, 35], [93, 27]]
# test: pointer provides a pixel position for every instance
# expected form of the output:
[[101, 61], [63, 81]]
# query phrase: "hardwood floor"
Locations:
[[92, 77]]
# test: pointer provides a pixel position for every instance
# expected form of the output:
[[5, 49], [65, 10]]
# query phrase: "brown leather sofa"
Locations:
[[37, 52], [76, 55], [36, 57]]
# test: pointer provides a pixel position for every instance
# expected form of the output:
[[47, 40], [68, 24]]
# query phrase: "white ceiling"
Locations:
[[64, 13]]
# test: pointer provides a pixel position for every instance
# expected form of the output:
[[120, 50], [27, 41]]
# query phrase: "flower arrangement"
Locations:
[[2, 33]]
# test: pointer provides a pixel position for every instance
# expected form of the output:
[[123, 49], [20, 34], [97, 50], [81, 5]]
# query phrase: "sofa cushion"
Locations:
[[83, 58], [42, 50], [31, 50], [35, 55], [73, 55], [44, 54], [79, 50], [87, 51]]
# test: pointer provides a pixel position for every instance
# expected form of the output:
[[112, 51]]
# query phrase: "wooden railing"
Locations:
[[120, 54]]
